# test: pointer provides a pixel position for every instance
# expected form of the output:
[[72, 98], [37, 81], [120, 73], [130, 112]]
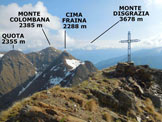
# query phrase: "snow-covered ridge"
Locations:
[[73, 63]]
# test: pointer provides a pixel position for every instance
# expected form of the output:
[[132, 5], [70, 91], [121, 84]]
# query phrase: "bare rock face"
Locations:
[[155, 99], [42, 59], [106, 100]]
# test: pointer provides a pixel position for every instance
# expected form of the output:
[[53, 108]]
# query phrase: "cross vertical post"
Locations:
[[129, 46]]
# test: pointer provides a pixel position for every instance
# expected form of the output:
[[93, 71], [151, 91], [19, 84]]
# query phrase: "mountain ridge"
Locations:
[[122, 93], [63, 70], [43, 58]]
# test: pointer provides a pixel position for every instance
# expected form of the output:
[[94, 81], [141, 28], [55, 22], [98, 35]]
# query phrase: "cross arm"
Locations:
[[135, 40], [124, 41]]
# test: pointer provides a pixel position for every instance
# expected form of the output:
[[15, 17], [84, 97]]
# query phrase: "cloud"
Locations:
[[34, 37], [152, 42], [159, 2], [153, 2], [149, 42], [35, 40]]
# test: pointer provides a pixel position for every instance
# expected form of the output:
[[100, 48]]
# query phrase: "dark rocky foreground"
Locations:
[[123, 93]]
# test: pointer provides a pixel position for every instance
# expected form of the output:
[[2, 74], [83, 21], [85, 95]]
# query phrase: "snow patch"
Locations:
[[1, 55], [44, 66], [55, 81], [64, 81], [73, 63], [36, 72], [73, 74], [65, 70], [44, 75], [67, 74], [54, 68]]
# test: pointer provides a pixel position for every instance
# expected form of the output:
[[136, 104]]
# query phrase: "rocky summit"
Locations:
[[122, 93], [42, 59]]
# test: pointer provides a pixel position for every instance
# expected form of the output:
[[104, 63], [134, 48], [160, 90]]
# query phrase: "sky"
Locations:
[[99, 15]]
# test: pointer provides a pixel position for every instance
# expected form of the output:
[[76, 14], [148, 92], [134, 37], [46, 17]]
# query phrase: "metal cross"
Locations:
[[129, 41]]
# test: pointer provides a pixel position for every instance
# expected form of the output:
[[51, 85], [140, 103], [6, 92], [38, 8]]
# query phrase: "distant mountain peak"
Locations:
[[14, 56], [49, 49], [13, 53], [43, 58], [66, 55]]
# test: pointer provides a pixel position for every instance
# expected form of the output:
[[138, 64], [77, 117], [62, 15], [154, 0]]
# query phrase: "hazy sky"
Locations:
[[99, 15]]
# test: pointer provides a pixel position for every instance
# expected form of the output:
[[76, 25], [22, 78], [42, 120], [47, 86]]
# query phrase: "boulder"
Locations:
[[144, 75], [106, 99], [136, 88], [126, 100], [155, 99]]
